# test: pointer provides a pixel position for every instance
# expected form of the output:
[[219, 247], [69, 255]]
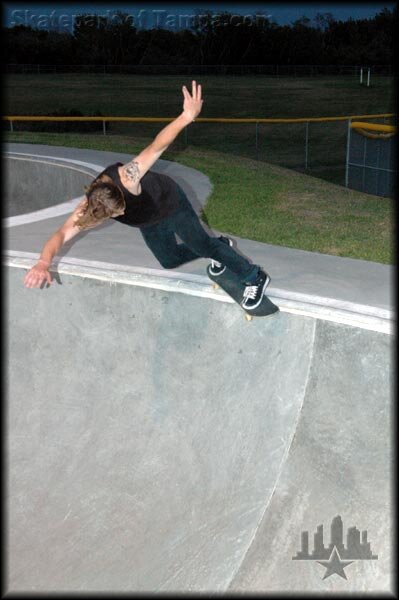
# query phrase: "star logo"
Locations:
[[335, 565]]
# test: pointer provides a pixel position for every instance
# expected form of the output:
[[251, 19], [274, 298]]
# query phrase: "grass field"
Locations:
[[227, 96]]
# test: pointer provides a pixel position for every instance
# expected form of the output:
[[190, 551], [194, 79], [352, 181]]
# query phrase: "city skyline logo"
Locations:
[[336, 557]]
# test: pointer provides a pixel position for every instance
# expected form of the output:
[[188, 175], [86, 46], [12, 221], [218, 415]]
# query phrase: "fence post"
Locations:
[[306, 144], [347, 152], [104, 128]]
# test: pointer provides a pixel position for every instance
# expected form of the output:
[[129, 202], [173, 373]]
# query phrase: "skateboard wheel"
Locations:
[[216, 286], [249, 317]]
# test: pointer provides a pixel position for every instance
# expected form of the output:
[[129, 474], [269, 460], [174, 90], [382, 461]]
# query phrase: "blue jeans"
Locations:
[[160, 239]]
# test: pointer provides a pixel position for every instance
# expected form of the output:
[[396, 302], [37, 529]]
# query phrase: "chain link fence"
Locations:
[[371, 159], [317, 147]]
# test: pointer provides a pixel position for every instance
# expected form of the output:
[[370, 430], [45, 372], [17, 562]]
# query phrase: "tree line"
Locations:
[[258, 41]]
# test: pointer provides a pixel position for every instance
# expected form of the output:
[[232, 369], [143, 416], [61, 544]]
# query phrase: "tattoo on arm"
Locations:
[[132, 171]]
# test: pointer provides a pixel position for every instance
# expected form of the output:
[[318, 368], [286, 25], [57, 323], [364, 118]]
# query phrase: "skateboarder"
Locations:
[[133, 194]]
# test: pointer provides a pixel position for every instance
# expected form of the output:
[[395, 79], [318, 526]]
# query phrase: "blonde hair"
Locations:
[[104, 198]]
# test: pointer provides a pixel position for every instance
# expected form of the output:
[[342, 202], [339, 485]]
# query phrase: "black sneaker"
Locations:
[[216, 268], [253, 292]]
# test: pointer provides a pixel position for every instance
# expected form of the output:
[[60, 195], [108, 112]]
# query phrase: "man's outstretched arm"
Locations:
[[136, 168]]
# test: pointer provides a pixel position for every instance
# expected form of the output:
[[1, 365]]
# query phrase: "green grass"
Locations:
[[265, 202], [228, 96]]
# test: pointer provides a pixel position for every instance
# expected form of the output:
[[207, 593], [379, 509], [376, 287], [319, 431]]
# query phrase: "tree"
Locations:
[[208, 39], [324, 20]]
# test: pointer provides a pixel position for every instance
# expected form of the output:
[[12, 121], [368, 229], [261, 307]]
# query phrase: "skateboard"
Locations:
[[230, 283]]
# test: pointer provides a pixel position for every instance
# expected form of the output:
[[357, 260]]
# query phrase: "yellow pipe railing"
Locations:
[[374, 127], [200, 120], [374, 131]]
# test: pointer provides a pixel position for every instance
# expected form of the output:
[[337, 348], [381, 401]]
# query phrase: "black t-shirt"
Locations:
[[158, 199]]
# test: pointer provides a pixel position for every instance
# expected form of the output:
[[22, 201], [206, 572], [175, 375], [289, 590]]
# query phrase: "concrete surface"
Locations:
[[158, 442], [34, 184]]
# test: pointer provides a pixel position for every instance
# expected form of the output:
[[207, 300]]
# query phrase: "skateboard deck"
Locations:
[[230, 283]]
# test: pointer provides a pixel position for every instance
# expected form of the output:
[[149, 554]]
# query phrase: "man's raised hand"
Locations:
[[192, 103]]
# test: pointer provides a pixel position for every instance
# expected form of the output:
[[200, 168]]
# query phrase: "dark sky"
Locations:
[[167, 15]]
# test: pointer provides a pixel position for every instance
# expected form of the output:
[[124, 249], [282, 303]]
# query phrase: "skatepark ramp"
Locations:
[[39, 187], [159, 442]]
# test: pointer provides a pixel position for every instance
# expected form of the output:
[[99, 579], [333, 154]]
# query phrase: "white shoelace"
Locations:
[[250, 291]]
